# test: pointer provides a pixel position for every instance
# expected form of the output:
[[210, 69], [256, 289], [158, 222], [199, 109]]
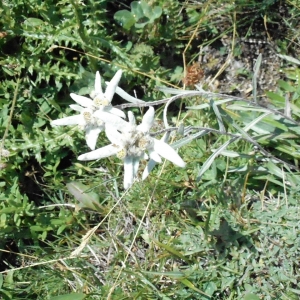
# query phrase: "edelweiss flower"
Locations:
[[87, 108], [129, 143]]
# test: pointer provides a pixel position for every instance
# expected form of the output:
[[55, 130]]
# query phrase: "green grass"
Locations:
[[224, 227]]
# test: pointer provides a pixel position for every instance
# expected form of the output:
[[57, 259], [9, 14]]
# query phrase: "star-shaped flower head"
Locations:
[[130, 142], [87, 107]]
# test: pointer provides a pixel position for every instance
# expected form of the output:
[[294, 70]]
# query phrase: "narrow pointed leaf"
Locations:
[[188, 139], [218, 115], [211, 159], [190, 285], [171, 250]]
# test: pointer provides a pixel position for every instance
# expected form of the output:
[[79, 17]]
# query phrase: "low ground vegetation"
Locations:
[[223, 80]]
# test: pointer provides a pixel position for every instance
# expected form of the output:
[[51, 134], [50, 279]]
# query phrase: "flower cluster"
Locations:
[[128, 141], [88, 107]]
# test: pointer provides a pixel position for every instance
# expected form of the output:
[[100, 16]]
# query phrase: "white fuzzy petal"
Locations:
[[81, 100], [98, 87], [115, 111], [151, 164], [112, 120], [128, 172], [111, 87], [91, 136], [126, 96], [114, 136], [147, 121], [72, 120], [131, 118], [77, 107], [136, 163], [155, 156], [103, 152], [167, 152]]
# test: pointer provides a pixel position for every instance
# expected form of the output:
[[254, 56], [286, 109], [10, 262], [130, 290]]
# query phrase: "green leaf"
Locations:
[[211, 159], [210, 288], [33, 22], [38, 228], [273, 169], [8, 210], [218, 115], [72, 296], [146, 8], [156, 12], [246, 107], [141, 25], [286, 86], [290, 59], [251, 297], [137, 10], [125, 18], [188, 139], [205, 105], [276, 99], [82, 193], [190, 285], [174, 274], [171, 250]]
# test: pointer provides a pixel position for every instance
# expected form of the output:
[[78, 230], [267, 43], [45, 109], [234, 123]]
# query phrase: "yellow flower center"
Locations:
[[143, 143], [87, 116], [121, 154], [98, 101]]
